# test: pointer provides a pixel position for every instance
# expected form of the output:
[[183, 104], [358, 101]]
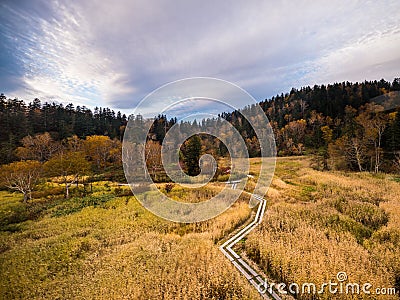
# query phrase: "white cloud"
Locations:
[[114, 53], [372, 57]]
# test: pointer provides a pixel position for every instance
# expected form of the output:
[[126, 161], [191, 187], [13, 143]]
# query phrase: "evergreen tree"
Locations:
[[192, 155]]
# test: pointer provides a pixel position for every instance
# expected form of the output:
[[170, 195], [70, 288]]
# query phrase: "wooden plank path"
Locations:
[[244, 268]]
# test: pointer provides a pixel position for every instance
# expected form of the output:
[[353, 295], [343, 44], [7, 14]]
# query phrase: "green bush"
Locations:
[[387, 235], [345, 224], [76, 204], [15, 213]]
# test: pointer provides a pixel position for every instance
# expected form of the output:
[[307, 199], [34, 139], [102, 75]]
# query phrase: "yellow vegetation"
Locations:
[[322, 223], [115, 249], [107, 246]]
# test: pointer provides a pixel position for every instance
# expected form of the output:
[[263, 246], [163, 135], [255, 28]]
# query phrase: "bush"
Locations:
[[76, 204], [169, 187], [223, 178], [343, 224], [15, 213], [121, 192], [48, 192], [363, 212]]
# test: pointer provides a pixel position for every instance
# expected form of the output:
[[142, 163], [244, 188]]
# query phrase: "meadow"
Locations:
[[106, 245], [321, 223]]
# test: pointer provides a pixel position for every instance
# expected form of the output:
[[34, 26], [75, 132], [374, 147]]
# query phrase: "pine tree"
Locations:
[[192, 155]]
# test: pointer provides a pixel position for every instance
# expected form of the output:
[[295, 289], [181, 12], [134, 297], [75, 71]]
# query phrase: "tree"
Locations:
[[115, 153], [39, 147], [69, 166], [97, 149], [293, 136], [323, 153], [21, 176], [394, 132], [74, 143], [153, 156], [396, 162], [191, 155], [374, 123]]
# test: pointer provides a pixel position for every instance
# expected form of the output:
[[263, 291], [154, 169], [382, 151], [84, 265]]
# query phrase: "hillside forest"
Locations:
[[340, 125]]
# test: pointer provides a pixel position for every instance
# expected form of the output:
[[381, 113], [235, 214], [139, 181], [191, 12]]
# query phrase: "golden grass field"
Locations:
[[321, 223], [107, 246]]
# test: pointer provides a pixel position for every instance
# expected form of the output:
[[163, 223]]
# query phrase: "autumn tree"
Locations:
[[352, 145], [115, 153], [97, 149], [293, 135], [374, 123], [253, 146], [39, 147], [153, 156], [68, 166], [74, 143], [21, 176]]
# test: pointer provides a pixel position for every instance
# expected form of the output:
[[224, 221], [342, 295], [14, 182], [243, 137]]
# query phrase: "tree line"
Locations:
[[338, 123], [19, 119], [71, 161]]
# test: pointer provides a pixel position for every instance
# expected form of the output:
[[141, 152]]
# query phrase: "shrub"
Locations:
[[169, 187], [366, 213], [223, 178], [76, 204], [48, 192], [121, 192]]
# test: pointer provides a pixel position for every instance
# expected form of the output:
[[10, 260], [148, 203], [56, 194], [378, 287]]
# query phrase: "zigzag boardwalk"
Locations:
[[251, 275]]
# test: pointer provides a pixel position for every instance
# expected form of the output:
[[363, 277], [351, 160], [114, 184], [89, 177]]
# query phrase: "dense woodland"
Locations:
[[336, 123]]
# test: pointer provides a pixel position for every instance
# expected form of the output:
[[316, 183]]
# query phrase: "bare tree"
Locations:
[[21, 176], [374, 123], [153, 156], [357, 151], [69, 166], [39, 147]]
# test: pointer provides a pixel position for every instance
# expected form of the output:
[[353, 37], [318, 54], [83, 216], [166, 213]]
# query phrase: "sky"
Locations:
[[114, 53]]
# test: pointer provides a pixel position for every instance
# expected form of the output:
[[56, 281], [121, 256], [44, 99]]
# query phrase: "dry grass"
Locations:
[[321, 223], [193, 194], [115, 249], [107, 246]]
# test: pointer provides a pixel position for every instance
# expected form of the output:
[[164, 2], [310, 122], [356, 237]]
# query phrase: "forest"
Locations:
[[337, 123]]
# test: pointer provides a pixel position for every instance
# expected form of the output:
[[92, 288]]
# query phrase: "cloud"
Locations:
[[115, 53], [58, 61], [369, 57]]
